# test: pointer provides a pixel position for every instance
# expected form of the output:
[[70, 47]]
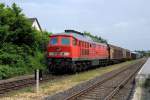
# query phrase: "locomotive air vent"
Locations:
[[73, 31]]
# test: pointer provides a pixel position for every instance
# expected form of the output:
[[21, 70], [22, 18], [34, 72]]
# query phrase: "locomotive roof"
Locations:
[[80, 37], [73, 31]]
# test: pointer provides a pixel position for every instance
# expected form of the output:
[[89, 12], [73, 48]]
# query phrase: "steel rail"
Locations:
[[122, 84], [80, 93]]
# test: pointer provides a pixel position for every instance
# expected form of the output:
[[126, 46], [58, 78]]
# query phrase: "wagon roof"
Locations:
[[117, 47]]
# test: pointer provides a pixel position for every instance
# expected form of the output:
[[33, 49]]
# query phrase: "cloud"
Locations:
[[122, 22], [133, 34]]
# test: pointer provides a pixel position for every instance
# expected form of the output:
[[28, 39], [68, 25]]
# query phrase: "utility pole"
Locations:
[[37, 80]]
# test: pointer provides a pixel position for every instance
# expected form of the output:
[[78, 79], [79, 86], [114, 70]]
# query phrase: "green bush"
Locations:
[[6, 71], [21, 46], [17, 60], [11, 54], [147, 83], [37, 61]]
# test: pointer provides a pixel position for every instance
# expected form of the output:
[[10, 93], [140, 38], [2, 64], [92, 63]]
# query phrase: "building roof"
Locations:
[[35, 19]]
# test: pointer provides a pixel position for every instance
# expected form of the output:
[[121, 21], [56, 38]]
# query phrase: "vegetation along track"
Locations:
[[18, 84], [109, 87]]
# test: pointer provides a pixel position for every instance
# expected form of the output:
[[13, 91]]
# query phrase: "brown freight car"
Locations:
[[128, 54], [118, 54]]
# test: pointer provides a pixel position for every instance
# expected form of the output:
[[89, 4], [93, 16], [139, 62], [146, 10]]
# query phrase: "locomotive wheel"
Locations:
[[50, 68], [81, 67], [73, 68], [84, 66]]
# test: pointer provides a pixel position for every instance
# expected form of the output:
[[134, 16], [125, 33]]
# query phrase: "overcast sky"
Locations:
[[125, 23]]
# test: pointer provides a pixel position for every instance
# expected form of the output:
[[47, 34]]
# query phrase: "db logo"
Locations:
[[58, 49]]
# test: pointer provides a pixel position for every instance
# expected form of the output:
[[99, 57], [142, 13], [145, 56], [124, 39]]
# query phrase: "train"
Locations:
[[73, 51]]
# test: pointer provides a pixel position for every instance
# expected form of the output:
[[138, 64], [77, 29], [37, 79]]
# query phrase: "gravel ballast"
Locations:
[[82, 86]]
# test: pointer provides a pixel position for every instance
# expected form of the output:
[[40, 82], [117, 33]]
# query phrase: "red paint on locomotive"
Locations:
[[74, 51], [75, 48]]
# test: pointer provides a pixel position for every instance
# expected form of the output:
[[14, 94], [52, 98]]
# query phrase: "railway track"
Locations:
[[109, 87], [18, 84]]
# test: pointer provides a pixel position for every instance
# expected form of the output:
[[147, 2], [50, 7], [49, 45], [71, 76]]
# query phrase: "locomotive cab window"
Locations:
[[53, 41], [65, 41]]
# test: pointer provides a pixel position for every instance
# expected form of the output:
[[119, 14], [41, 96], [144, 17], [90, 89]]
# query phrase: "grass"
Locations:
[[62, 83], [97, 72]]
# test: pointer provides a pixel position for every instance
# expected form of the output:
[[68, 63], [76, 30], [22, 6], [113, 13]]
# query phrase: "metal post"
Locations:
[[37, 81]]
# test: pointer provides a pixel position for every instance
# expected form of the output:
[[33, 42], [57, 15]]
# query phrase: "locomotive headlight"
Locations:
[[66, 53], [59, 53], [51, 53]]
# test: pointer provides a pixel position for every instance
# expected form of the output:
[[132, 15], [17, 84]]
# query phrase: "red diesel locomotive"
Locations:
[[72, 51]]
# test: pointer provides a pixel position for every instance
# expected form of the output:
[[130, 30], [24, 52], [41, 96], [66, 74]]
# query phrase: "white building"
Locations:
[[35, 24]]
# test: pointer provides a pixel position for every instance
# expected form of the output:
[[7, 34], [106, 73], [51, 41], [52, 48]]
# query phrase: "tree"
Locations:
[[95, 38], [15, 27], [143, 53], [21, 46]]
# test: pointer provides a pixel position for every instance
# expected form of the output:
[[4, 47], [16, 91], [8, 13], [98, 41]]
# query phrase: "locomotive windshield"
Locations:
[[65, 41], [53, 41]]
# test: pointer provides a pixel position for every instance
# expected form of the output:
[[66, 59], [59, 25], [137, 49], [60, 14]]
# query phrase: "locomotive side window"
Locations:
[[87, 45], [82, 44], [53, 41], [94, 45], [79, 43], [65, 41], [74, 42], [90, 45]]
